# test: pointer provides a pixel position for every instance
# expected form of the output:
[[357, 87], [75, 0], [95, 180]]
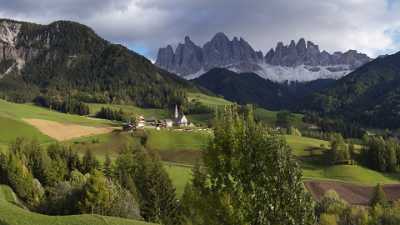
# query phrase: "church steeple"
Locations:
[[176, 112]]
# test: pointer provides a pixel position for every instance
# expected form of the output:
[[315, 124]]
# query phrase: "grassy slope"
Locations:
[[269, 117], [314, 168], [20, 111], [12, 125], [208, 100], [10, 129], [180, 175], [11, 214], [101, 144], [165, 140]]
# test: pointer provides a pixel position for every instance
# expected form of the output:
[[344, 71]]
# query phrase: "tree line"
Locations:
[[64, 105], [111, 114], [381, 154]]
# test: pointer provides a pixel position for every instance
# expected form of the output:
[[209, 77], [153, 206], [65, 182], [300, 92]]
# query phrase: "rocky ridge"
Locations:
[[301, 61]]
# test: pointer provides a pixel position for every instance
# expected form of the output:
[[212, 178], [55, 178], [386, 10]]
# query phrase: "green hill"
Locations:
[[370, 95], [250, 88], [11, 214], [71, 60]]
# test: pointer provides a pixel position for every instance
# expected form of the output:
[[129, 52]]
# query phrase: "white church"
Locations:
[[180, 119]]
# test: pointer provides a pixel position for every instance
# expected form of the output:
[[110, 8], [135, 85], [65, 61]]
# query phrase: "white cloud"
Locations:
[[365, 25]]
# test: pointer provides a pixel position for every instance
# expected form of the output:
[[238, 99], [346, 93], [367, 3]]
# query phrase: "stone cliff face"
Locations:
[[303, 59], [309, 54], [189, 58], [10, 56], [21, 43]]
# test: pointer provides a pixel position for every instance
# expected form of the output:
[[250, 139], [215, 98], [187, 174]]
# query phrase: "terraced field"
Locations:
[[12, 214]]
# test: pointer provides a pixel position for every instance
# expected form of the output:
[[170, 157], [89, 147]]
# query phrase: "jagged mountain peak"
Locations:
[[220, 36], [301, 60]]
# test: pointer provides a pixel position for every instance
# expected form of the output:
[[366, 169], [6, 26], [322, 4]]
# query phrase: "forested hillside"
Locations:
[[69, 59], [370, 95], [249, 88]]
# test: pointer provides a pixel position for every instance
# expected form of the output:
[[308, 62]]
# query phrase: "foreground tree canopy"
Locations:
[[249, 177]]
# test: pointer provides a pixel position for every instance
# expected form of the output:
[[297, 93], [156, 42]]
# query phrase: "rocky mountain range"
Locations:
[[301, 61]]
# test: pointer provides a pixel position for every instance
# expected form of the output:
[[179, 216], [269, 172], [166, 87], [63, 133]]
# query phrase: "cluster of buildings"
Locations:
[[179, 120]]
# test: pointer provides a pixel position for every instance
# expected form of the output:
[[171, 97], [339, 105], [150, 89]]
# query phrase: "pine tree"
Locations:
[[379, 197], [89, 162], [95, 197], [159, 202], [107, 168]]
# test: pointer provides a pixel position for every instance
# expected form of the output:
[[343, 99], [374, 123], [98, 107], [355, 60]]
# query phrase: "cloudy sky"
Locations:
[[370, 26]]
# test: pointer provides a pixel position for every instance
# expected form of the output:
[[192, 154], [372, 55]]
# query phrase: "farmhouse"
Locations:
[[168, 123]]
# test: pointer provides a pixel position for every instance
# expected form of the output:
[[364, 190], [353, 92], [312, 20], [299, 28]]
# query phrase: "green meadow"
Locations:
[[208, 100], [22, 111], [180, 175], [10, 129], [170, 140], [13, 126], [111, 143], [178, 149]]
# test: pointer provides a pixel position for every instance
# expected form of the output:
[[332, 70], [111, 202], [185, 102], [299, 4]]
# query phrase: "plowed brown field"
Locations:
[[63, 132], [352, 193]]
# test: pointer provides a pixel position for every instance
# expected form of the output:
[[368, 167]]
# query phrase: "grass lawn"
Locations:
[[269, 117], [208, 100], [11, 214], [350, 173], [21, 111], [166, 140], [112, 143], [10, 129], [301, 146], [180, 175]]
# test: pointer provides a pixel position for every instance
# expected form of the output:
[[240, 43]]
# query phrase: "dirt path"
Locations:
[[63, 132]]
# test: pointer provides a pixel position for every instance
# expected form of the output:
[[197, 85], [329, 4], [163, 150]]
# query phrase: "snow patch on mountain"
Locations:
[[301, 73]]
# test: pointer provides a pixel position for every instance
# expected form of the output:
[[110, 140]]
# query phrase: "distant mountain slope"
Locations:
[[370, 94], [248, 88], [301, 61], [69, 59]]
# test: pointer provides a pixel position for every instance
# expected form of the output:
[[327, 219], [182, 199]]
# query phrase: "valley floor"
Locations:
[[179, 150]]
